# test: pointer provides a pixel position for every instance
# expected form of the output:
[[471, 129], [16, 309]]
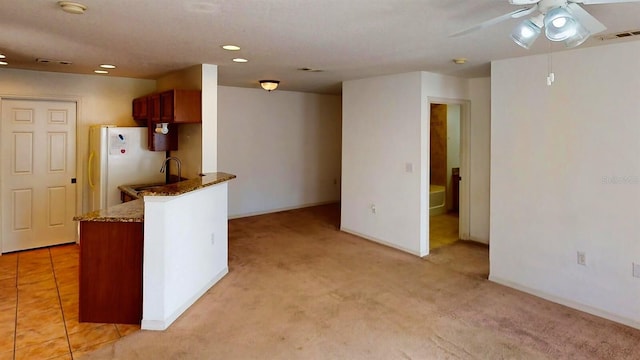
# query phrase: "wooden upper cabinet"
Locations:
[[172, 106], [154, 107], [181, 106], [161, 142]]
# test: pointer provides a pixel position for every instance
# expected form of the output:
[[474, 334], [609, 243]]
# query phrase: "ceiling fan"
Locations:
[[562, 20]]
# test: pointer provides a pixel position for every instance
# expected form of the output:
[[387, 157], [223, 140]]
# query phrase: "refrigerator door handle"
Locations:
[[91, 184]]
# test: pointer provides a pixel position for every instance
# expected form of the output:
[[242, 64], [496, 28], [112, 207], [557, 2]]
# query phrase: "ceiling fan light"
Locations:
[[525, 33], [559, 24], [581, 35]]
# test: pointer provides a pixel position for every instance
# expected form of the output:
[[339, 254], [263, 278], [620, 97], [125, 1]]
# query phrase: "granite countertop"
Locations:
[[133, 211], [177, 188]]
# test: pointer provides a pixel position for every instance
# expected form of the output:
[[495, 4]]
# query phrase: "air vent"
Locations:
[[49, 61], [310, 69], [620, 35]]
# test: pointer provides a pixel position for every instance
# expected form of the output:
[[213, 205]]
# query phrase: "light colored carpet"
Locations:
[[300, 289]]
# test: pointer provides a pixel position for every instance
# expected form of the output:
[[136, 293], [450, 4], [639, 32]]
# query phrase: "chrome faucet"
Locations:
[[164, 166]]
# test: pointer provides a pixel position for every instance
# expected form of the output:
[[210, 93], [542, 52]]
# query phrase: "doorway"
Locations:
[[38, 173], [448, 160]]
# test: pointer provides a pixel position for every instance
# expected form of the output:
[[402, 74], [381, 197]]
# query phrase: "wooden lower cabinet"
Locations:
[[111, 272]]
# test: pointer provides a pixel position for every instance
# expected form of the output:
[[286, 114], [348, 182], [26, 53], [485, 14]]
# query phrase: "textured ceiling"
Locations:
[[348, 39]]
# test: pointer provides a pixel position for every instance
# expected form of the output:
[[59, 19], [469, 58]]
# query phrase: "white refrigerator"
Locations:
[[119, 156]]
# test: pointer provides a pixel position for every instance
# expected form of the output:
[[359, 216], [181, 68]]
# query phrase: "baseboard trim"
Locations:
[[271, 211], [160, 325], [566, 302], [382, 242]]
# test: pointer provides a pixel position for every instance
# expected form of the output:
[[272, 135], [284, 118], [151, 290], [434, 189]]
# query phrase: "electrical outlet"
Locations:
[[636, 270], [582, 258], [373, 208], [213, 238]]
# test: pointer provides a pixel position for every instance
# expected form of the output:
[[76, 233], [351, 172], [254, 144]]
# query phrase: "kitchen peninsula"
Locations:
[[152, 258]]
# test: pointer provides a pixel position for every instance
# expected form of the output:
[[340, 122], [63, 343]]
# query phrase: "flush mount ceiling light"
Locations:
[[107, 66], [100, 71], [460, 61], [72, 7], [269, 85], [231, 47], [3, 62], [240, 60], [2, 56]]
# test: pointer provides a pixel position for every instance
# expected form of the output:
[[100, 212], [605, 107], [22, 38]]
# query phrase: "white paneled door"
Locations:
[[38, 141]]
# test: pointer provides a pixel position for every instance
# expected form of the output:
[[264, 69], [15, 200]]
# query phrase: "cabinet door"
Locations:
[[167, 106], [154, 107], [187, 106], [111, 260]]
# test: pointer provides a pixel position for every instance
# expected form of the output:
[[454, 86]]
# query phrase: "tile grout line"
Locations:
[[64, 321]]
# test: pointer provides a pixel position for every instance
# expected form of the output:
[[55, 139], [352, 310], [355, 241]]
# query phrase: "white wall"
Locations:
[[101, 100], [565, 177], [283, 146], [185, 251], [480, 158], [385, 156]]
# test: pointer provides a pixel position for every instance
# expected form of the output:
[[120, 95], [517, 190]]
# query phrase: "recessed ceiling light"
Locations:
[[460, 61], [107, 66], [4, 63], [240, 60], [231, 47], [72, 7], [100, 71]]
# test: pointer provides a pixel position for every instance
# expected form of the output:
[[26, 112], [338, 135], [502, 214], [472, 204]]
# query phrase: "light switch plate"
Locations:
[[636, 270], [408, 167]]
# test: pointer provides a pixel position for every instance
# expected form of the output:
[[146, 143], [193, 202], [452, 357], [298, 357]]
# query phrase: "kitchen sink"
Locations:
[[139, 188]]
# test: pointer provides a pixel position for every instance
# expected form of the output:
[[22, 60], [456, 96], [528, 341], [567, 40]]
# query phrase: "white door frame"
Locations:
[[464, 223], [79, 172]]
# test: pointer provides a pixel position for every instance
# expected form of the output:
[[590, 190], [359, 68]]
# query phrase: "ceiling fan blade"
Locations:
[[587, 20], [512, 15], [594, 2]]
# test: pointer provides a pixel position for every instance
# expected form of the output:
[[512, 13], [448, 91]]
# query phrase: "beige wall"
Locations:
[[565, 178], [284, 147], [100, 99]]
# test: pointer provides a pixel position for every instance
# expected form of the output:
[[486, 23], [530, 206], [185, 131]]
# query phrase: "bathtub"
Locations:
[[437, 196]]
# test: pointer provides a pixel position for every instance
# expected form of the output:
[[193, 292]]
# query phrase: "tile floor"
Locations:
[[39, 307], [443, 230]]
